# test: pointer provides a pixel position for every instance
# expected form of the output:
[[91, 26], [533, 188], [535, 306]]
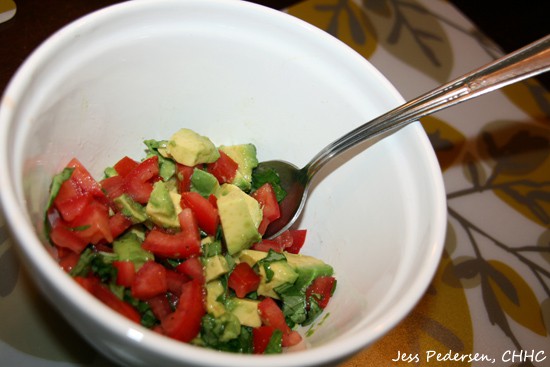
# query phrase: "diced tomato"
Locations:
[[178, 246], [298, 240], [265, 245], [71, 208], [92, 224], [118, 223], [101, 292], [243, 280], [126, 273], [183, 175], [285, 239], [193, 268], [185, 322], [68, 190], [113, 186], [125, 165], [263, 226], [224, 169], [268, 201], [68, 261], [213, 200], [160, 306], [62, 236], [272, 315], [321, 289], [85, 180], [261, 337], [138, 181], [206, 214], [150, 281], [175, 280]]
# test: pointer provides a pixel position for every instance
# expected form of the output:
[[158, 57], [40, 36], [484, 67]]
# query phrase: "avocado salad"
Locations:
[[174, 242]]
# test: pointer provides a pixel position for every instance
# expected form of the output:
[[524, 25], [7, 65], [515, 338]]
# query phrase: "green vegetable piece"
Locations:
[[246, 311], [214, 291], [160, 208], [167, 167], [245, 156], [130, 208], [57, 181], [220, 330], [128, 248], [275, 345], [263, 175], [214, 267], [110, 172], [308, 268], [240, 217], [189, 148], [204, 183]]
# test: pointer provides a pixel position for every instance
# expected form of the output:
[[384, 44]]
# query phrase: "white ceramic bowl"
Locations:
[[235, 72]]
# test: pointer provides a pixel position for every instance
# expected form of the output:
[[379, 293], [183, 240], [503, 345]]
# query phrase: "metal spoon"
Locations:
[[528, 61]]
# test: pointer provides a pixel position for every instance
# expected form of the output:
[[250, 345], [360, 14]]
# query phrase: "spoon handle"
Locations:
[[528, 61]]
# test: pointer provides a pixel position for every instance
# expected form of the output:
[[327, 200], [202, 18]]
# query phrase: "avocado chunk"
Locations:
[[245, 156], [240, 216], [128, 248], [214, 291], [246, 311], [204, 183], [282, 273], [130, 208], [189, 148], [308, 268], [214, 267], [160, 208]]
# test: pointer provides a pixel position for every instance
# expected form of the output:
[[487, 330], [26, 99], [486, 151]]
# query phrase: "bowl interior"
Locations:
[[236, 73]]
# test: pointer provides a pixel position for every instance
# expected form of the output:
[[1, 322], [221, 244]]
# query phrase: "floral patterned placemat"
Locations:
[[489, 302]]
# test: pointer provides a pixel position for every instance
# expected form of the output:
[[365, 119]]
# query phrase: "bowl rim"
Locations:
[[26, 240]]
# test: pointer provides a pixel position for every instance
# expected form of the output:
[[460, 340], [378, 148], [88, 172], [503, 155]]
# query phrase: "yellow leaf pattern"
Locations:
[[516, 298]]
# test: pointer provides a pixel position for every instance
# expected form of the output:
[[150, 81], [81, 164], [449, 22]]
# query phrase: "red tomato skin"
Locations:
[[62, 236], [126, 273], [113, 187], [193, 268], [73, 207], [125, 165], [272, 315], [185, 322], [265, 245], [93, 223], [175, 280], [85, 181], [101, 292], [261, 337], [205, 213], [298, 240], [149, 281], [183, 175], [119, 223], [268, 201], [68, 261], [160, 306], [180, 245], [138, 183], [243, 280], [224, 169], [322, 287]]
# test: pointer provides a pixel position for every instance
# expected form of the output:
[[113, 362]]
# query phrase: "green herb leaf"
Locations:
[[272, 256], [261, 176], [167, 167], [275, 345]]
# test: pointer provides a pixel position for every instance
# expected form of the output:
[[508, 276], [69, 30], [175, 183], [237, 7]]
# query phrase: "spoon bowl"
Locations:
[[528, 61]]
